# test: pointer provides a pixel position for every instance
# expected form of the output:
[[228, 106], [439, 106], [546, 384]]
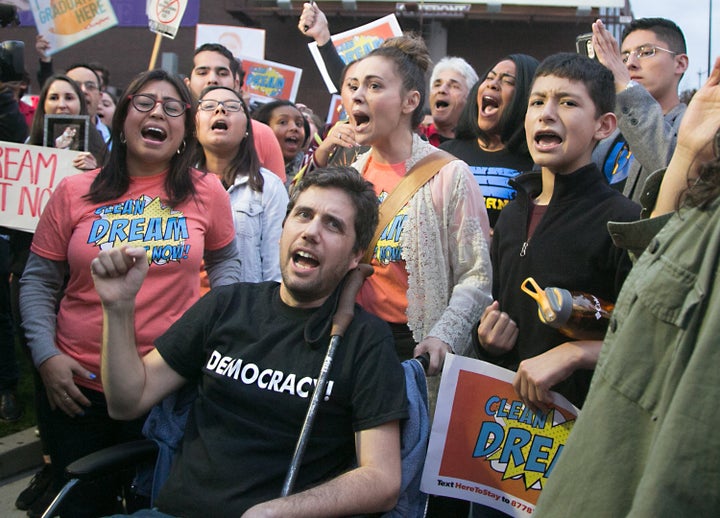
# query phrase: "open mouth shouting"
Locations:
[[440, 105], [362, 120], [292, 144], [304, 260], [219, 125], [489, 106], [546, 140], [154, 134]]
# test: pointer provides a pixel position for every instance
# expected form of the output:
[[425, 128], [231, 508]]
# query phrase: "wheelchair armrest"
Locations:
[[112, 459]]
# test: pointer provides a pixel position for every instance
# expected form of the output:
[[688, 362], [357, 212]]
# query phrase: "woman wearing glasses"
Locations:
[[258, 197], [146, 195], [490, 135]]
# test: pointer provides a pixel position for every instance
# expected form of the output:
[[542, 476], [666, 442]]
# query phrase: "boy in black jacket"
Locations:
[[555, 231]]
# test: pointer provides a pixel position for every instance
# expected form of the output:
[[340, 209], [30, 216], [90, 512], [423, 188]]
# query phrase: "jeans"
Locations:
[[70, 438]]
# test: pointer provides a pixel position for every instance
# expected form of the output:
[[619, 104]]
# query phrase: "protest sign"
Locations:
[[66, 131], [28, 176], [267, 80], [164, 16], [356, 43], [65, 23], [241, 41], [336, 112], [485, 445]]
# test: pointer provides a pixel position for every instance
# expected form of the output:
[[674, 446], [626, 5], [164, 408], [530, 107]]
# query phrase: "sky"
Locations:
[[692, 16]]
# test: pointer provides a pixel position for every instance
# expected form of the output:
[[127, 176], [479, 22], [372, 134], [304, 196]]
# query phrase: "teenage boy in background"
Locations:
[[647, 68]]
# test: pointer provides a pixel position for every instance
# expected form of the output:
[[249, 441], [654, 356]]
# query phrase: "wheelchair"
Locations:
[[415, 432]]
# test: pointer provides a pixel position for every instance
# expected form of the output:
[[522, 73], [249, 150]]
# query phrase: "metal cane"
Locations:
[[341, 320]]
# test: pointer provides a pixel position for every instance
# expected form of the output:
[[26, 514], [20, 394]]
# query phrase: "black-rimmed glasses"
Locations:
[[145, 103], [644, 51], [209, 105]]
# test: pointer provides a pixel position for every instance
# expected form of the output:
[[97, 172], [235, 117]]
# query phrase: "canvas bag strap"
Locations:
[[418, 176]]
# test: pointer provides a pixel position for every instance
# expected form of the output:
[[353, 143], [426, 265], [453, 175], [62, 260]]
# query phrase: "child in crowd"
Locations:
[[291, 130], [646, 441], [556, 232]]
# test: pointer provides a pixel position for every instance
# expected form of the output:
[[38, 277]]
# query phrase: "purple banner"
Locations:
[[131, 13]]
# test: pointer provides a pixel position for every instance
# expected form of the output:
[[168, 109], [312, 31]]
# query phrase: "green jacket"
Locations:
[[647, 443]]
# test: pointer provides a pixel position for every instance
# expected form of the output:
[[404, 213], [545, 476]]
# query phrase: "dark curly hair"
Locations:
[[361, 193]]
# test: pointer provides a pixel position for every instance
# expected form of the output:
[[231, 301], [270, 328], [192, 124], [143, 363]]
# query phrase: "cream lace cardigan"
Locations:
[[445, 248]]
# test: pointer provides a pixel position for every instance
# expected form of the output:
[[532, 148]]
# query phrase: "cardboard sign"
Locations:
[[266, 81], [485, 445], [336, 112], [66, 23], [356, 43], [28, 176], [241, 41], [164, 16]]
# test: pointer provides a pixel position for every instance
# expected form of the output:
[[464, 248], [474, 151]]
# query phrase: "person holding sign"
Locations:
[[646, 442], [62, 96], [556, 231], [431, 259], [147, 195]]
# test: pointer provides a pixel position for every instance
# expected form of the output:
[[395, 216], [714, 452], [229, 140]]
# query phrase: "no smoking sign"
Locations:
[[167, 10]]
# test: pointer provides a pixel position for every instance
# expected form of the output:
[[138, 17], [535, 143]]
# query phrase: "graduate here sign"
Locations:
[[67, 22], [28, 176]]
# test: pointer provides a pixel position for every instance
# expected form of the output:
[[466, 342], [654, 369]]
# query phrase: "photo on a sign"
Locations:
[[64, 24], [66, 132], [241, 41]]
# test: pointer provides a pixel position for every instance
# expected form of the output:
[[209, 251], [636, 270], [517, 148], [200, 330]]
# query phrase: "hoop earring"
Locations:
[[123, 140], [181, 148]]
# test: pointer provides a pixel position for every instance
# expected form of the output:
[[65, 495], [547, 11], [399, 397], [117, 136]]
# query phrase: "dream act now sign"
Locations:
[[28, 176]]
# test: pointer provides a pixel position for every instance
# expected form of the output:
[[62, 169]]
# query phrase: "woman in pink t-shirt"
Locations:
[[147, 195]]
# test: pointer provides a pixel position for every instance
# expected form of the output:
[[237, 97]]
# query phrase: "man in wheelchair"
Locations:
[[254, 351]]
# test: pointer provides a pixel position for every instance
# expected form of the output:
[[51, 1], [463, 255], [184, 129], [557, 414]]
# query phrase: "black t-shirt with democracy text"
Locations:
[[256, 360]]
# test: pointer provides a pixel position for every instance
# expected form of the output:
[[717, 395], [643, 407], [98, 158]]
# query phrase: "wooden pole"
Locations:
[[155, 51]]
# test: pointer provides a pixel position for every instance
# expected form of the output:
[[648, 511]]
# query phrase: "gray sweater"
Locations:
[[650, 134]]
